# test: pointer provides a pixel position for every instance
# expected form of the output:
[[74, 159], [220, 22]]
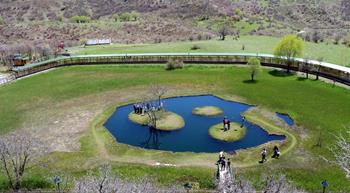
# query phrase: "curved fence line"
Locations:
[[330, 71]]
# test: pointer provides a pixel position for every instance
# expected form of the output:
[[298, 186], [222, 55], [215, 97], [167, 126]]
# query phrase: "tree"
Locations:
[[289, 47], [341, 152], [228, 183], [81, 19], [224, 31], [158, 91], [305, 67], [317, 37], [108, 183], [278, 184], [2, 21], [318, 67], [254, 67], [17, 151]]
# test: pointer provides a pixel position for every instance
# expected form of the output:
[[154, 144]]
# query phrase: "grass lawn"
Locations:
[[316, 106], [337, 54], [234, 134]]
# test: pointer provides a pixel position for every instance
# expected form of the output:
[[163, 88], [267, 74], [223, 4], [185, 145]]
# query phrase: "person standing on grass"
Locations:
[[243, 120], [221, 155], [134, 106], [263, 155], [223, 164], [226, 123], [276, 152], [229, 164]]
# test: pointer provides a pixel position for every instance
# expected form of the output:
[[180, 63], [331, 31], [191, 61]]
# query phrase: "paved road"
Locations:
[[4, 78]]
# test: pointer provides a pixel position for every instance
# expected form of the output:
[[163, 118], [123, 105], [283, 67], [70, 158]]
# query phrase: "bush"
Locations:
[[127, 16], [174, 64], [195, 47], [60, 18], [115, 17], [36, 182], [2, 21], [80, 19], [346, 40]]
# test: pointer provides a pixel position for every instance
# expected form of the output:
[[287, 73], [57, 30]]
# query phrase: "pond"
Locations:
[[193, 137], [286, 118]]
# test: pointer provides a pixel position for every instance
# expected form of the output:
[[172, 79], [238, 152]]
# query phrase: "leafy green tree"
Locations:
[[81, 19], [134, 15], [2, 21], [126, 16], [289, 47], [254, 67], [115, 17]]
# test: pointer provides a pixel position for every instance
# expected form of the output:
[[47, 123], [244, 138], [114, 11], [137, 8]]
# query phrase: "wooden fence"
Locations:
[[330, 71]]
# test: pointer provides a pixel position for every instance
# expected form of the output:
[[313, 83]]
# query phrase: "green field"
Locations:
[[49, 99], [337, 54]]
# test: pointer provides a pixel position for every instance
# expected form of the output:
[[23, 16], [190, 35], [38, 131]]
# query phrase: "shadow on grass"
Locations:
[[302, 78], [280, 73], [250, 81]]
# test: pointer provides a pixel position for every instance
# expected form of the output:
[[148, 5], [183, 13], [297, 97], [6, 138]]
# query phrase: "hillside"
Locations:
[[50, 21]]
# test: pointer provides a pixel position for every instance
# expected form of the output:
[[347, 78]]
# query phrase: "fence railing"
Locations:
[[323, 69]]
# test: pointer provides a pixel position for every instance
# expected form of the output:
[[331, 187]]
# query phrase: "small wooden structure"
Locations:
[[94, 42], [19, 60]]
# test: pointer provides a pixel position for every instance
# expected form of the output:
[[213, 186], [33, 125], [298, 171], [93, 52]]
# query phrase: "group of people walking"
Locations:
[[226, 165], [276, 154], [222, 163]]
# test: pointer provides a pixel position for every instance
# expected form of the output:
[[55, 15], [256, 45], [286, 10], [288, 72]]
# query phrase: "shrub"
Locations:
[[134, 15], [60, 18], [115, 17], [195, 47], [80, 19], [127, 16], [2, 21], [174, 64], [346, 40], [36, 182]]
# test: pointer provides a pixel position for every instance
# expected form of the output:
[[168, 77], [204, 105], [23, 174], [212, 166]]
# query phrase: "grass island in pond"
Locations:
[[168, 121], [235, 133], [207, 111]]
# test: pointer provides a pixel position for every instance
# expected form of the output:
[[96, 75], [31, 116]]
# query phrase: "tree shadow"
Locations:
[[301, 78], [250, 81], [280, 73]]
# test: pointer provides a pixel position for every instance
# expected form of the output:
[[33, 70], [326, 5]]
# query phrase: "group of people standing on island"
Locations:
[[140, 108], [227, 123]]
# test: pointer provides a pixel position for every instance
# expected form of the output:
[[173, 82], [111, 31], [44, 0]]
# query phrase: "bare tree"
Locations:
[[318, 67], [305, 67], [107, 183], [158, 91], [16, 153], [228, 183], [278, 184], [224, 31], [341, 151]]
